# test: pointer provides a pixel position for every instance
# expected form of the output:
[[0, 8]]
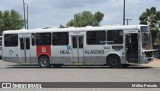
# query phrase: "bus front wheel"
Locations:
[[44, 62], [114, 61]]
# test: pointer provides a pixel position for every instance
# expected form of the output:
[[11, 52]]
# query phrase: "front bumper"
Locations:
[[146, 60]]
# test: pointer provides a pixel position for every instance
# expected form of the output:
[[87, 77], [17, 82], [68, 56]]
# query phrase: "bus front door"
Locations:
[[24, 50], [77, 49], [132, 49]]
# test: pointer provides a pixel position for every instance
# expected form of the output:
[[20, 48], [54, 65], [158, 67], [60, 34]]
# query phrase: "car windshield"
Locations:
[[146, 38]]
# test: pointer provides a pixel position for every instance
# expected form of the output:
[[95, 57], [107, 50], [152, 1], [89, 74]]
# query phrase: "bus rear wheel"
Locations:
[[114, 61], [44, 62], [57, 65], [124, 65]]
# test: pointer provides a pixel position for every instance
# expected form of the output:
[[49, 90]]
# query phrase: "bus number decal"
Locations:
[[43, 49]]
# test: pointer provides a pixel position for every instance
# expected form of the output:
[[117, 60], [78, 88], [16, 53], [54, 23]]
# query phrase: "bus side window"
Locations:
[[74, 42], [22, 43], [115, 37], [60, 38], [11, 40], [33, 39], [80, 41], [43, 38], [96, 37]]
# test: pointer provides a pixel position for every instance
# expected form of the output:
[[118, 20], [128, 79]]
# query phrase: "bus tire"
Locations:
[[124, 65], [44, 62], [57, 65], [114, 61]]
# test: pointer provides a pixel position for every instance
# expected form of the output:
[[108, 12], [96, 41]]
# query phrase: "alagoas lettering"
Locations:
[[94, 51]]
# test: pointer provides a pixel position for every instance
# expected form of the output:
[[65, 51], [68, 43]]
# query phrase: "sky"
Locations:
[[53, 13]]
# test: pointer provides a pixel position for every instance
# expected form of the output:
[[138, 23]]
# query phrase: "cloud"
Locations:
[[43, 13]]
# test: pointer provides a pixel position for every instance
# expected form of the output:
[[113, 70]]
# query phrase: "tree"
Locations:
[[151, 17], [10, 20], [86, 18], [61, 26]]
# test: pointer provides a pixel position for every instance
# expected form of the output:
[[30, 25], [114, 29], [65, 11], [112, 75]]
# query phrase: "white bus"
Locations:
[[114, 46]]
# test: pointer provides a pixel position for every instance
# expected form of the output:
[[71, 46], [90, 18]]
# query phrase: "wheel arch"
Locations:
[[44, 55], [44, 63], [112, 54]]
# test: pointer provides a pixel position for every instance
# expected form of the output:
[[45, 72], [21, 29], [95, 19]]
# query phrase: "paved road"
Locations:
[[10, 72], [140, 73]]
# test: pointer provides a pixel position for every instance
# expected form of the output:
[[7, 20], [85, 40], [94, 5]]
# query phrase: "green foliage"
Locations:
[[86, 18], [151, 17], [158, 39], [61, 26], [10, 20]]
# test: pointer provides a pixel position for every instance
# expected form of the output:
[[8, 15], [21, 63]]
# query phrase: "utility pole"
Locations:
[[128, 20], [124, 13], [27, 16], [24, 14]]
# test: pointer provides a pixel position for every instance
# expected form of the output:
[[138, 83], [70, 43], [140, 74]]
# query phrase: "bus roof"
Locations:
[[81, 29]]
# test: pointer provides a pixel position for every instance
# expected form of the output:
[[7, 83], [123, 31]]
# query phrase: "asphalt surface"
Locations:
[[135, 73], [10, 72]]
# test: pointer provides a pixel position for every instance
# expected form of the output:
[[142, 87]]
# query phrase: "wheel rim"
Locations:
[[43, 61], [114, 62]]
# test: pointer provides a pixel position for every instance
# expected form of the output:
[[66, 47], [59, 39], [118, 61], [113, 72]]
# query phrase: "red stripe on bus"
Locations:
[[43, 50]]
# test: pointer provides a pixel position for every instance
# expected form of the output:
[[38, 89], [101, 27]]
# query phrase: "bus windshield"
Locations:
[[146, 38]]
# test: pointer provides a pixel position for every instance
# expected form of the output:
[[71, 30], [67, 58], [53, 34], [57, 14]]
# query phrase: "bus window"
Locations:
[[43, 38], [146, 38], [33, 39], [74, 42], [96, 37], [11, 40], [27, 43], [60, 38], [115, 37], [80, 41]]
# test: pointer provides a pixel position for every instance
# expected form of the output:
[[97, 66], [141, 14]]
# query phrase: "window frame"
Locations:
[[27, 43], [59, 38], [110, 43], [33, 39], [46, 38], [96, 31], [14, 41]]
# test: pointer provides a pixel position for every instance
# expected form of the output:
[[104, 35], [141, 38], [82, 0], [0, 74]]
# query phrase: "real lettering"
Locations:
[[65, 52]]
